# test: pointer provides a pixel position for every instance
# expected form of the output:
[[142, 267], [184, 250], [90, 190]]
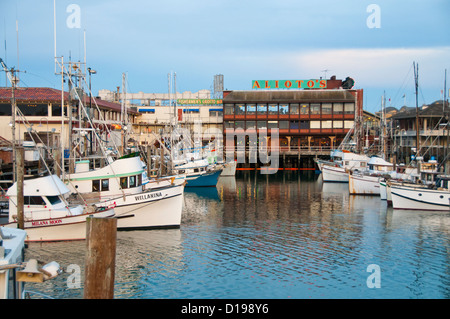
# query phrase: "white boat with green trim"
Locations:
[[138, 203]]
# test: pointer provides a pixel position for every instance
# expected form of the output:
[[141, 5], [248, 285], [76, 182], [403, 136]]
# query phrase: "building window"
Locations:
[[338, 124], [294, 108], [284, 108], [262, 108], [304, 109], [338, 108], [293, 125], [272, 124], [251, 109], [273, 109], [327, 124], [315, 124], [348, 124], [284, 125], [240, 125], [262, 125], [215, 113], [349, 108], [239, 109], [229, 124], [304, 125], [33, 109], [251, 125], [326, 108], [229, 109], [56, 110], [315, 108]]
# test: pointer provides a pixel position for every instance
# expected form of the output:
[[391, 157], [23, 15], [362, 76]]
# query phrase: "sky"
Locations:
[[375, 42]]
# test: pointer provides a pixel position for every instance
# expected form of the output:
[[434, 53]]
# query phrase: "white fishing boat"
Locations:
[[47, 215], [229, 169], [422, 197], [159, 206], [12, 245], [344, 161], [368, 182], [156, 203]]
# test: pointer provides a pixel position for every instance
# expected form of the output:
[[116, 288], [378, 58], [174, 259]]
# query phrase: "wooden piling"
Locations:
[[100, 258], [20, 162]]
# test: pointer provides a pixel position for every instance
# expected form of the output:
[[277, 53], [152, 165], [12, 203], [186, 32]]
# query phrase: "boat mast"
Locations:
[[416, 85]]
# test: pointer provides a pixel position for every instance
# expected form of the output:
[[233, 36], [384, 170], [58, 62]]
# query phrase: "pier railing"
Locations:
[[288, 150]]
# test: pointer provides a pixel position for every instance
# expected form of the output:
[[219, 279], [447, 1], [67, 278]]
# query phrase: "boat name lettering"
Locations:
[[46, 222], [147, 196]]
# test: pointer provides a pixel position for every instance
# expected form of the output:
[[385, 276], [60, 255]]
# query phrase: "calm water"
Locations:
[[273, 236]]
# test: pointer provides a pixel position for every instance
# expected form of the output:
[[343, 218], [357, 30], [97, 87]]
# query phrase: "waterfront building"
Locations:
[[39, 118], [312, 119], [433, 132]]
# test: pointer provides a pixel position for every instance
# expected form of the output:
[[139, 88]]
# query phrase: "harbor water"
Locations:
[[280, 236]]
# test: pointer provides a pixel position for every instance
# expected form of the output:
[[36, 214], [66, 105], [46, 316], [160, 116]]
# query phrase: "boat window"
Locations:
[[33, 200], [195, 170], [54, 199], [96, 185], [139, 182], [132, 181], [124, 182], [105, 184]]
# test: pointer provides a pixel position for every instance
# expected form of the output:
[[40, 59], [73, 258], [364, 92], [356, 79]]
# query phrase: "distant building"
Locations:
[[433, 132]]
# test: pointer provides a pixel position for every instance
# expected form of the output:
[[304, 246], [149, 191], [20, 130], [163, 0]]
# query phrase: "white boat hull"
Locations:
[[158, 207], [363, 185], [59, 229], [229, 169], [419, 198], [334, 174], [383, 190]]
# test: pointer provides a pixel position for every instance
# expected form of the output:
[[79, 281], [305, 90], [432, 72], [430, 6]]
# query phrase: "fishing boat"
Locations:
[[159, 206], [199, 173], [47, 214], [342, 162], [12, 245], [229, 169], [368, 182], [422, 197], [157, 203]]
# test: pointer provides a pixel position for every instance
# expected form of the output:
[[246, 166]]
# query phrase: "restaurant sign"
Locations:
[[289, 84], [199, 101]]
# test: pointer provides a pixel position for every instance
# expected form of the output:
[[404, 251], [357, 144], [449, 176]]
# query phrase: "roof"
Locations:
[[50, 95], [435, 109]]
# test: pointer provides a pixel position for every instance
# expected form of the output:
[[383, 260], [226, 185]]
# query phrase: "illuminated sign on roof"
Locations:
[[289, 84]]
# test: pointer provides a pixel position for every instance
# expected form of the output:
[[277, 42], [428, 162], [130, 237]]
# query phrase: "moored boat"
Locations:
[[47, 215], [12, 245]]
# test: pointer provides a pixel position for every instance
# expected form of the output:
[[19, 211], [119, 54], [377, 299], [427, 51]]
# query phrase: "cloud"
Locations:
[[376, 67]]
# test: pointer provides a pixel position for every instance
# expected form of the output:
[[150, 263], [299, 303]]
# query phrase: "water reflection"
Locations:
[[286, 235]]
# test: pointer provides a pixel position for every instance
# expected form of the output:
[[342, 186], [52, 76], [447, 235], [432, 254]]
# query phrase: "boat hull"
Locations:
[[229, 169], [363, 185], [66, 228], [209, 179], [334, 174], [419, 198], [159, 207]]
